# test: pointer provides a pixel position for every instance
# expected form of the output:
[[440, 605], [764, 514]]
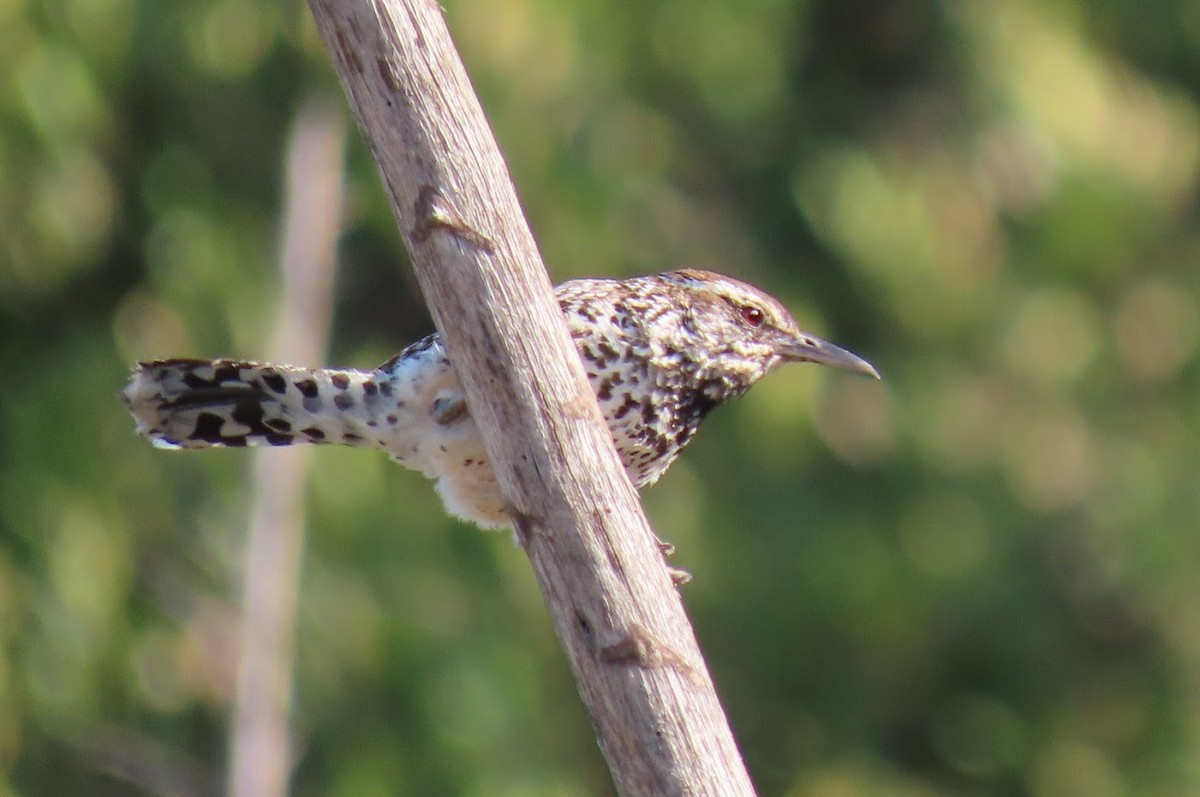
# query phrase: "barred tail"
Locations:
[[211, 403]]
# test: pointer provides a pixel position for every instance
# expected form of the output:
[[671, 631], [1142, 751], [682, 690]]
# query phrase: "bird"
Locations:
[[661, 351]]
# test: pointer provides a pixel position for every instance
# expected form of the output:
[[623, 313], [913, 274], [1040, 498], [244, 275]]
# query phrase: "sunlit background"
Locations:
[[978, 577]]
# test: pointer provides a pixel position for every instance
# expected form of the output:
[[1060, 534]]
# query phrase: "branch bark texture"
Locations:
[[635, 658]]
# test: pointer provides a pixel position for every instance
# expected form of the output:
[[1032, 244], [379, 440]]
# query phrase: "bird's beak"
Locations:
[[807, 348]]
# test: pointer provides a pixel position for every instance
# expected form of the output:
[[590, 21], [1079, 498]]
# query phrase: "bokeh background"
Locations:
[[980, 577]]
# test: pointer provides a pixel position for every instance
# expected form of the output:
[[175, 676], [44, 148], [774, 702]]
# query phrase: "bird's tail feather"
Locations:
[[212, 403]]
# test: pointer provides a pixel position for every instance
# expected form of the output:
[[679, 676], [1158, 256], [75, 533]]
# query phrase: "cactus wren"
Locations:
[[660, 351]]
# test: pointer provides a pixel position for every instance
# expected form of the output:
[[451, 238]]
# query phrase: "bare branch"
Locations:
[[621, 622]]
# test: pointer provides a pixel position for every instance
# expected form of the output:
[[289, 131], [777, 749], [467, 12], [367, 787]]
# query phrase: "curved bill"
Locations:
[[811, 349]]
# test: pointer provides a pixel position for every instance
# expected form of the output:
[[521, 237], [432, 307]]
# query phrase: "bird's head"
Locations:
[[737, 334]]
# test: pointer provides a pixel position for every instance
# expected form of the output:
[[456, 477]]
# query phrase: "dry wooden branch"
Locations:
[[634, 655]]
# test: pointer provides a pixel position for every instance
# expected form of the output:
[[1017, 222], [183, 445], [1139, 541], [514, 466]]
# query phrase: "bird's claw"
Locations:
[[678, 575]]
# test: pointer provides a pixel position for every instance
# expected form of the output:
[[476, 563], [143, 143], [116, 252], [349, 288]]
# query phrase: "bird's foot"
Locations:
[[449, 409], [678, 575]]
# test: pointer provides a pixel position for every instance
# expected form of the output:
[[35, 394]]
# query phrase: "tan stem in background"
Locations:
[[260, 748]]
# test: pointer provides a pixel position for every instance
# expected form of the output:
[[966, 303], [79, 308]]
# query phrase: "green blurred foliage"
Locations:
[[976, 578]]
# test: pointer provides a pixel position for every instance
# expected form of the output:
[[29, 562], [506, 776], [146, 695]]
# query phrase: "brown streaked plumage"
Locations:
[[661, 351]]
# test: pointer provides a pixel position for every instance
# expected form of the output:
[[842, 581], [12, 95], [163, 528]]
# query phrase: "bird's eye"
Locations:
[[752, 316]]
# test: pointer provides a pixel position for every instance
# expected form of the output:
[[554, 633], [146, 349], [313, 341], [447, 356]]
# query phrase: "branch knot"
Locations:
[[434, 212]]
